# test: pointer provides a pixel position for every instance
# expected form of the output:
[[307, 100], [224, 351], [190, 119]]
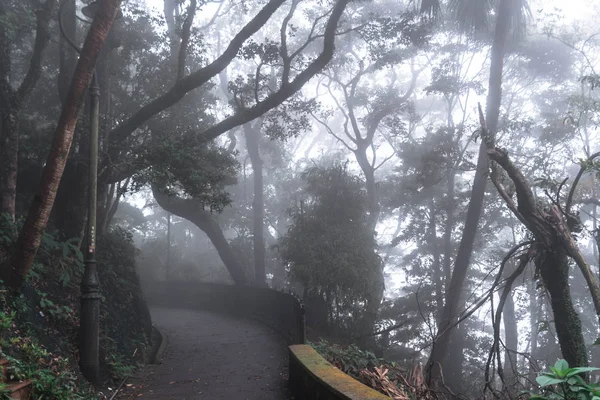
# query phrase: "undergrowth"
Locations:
[[39, 327], [384, 376]]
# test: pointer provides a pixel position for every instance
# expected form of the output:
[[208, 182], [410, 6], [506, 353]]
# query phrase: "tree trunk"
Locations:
[[554, 269], [453, 373], [168, 271], [41, 206], [448, 227], [376, 296], [454, 295], [534, 311], [70, 213], [258, 203], [195, 213], [9, 152], [11, 102], [67, 55], [512, 343], [436, 266]]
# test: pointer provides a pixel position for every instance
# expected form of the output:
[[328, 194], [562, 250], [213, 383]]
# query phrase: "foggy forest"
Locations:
[[421, 179]]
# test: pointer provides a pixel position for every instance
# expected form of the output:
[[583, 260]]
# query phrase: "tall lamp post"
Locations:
[[89, 319]]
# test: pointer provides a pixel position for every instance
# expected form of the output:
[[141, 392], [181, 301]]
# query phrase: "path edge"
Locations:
[[157, 356]]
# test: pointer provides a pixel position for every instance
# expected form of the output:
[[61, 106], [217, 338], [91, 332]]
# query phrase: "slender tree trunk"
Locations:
[[70, 213], [376, 296], [448, 227], [454, 295], [258, 204], [12, 100], [67, 56], [534, 311], [436, 266], [9, 151], [453, 374], [168, 263], [39, 211], [512, 343]]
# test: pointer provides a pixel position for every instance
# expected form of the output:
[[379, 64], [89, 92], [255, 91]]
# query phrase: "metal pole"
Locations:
[[89, 323]]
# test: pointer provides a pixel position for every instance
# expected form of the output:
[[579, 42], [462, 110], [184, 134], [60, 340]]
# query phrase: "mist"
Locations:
[[405, 186]]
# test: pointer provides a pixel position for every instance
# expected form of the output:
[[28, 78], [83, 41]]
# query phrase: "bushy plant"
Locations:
[[330, 248], [565, 383], [350, 359]]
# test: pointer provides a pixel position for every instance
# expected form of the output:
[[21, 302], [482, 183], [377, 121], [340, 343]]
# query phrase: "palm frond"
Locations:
[[472, 15], [520, 16]]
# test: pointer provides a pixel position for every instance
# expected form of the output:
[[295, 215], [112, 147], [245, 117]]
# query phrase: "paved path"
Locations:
[[214, 356]]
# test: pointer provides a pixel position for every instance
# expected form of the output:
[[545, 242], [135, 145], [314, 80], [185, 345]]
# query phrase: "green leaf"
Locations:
[[561, 365], [544, 380], [576, 371], [575, 380]]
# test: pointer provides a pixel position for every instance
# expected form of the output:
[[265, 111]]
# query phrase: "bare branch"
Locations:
[[331, 132], [384, 161], [214, 17]]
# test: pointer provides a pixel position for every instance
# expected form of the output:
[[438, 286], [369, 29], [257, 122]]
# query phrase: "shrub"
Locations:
[[564, 383]]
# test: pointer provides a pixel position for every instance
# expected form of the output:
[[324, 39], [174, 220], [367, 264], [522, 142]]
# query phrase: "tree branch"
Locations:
[[287, 60], [286, 90], [526, 200], [576, 182], [41, 41], [185, 38], [497, 319], [196, 79]]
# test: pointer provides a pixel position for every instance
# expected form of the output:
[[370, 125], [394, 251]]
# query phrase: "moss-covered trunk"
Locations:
[[554, 269]]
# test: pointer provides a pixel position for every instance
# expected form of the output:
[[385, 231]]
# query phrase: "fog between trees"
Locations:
[[423, 174]]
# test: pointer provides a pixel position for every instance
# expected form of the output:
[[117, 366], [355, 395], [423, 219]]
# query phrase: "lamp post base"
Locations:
[[89, 325]]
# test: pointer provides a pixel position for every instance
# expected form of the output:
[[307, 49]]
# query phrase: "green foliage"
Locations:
[[564, 383], [329, 246], [124, 315], [6, 321], [4, 392], [118, 366], [38, 328], [350, 359], [7, 232], [52, 376], [198, 170], [57, 311]]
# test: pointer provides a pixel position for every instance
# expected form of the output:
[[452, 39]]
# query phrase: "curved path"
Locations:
[[214, 356]]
